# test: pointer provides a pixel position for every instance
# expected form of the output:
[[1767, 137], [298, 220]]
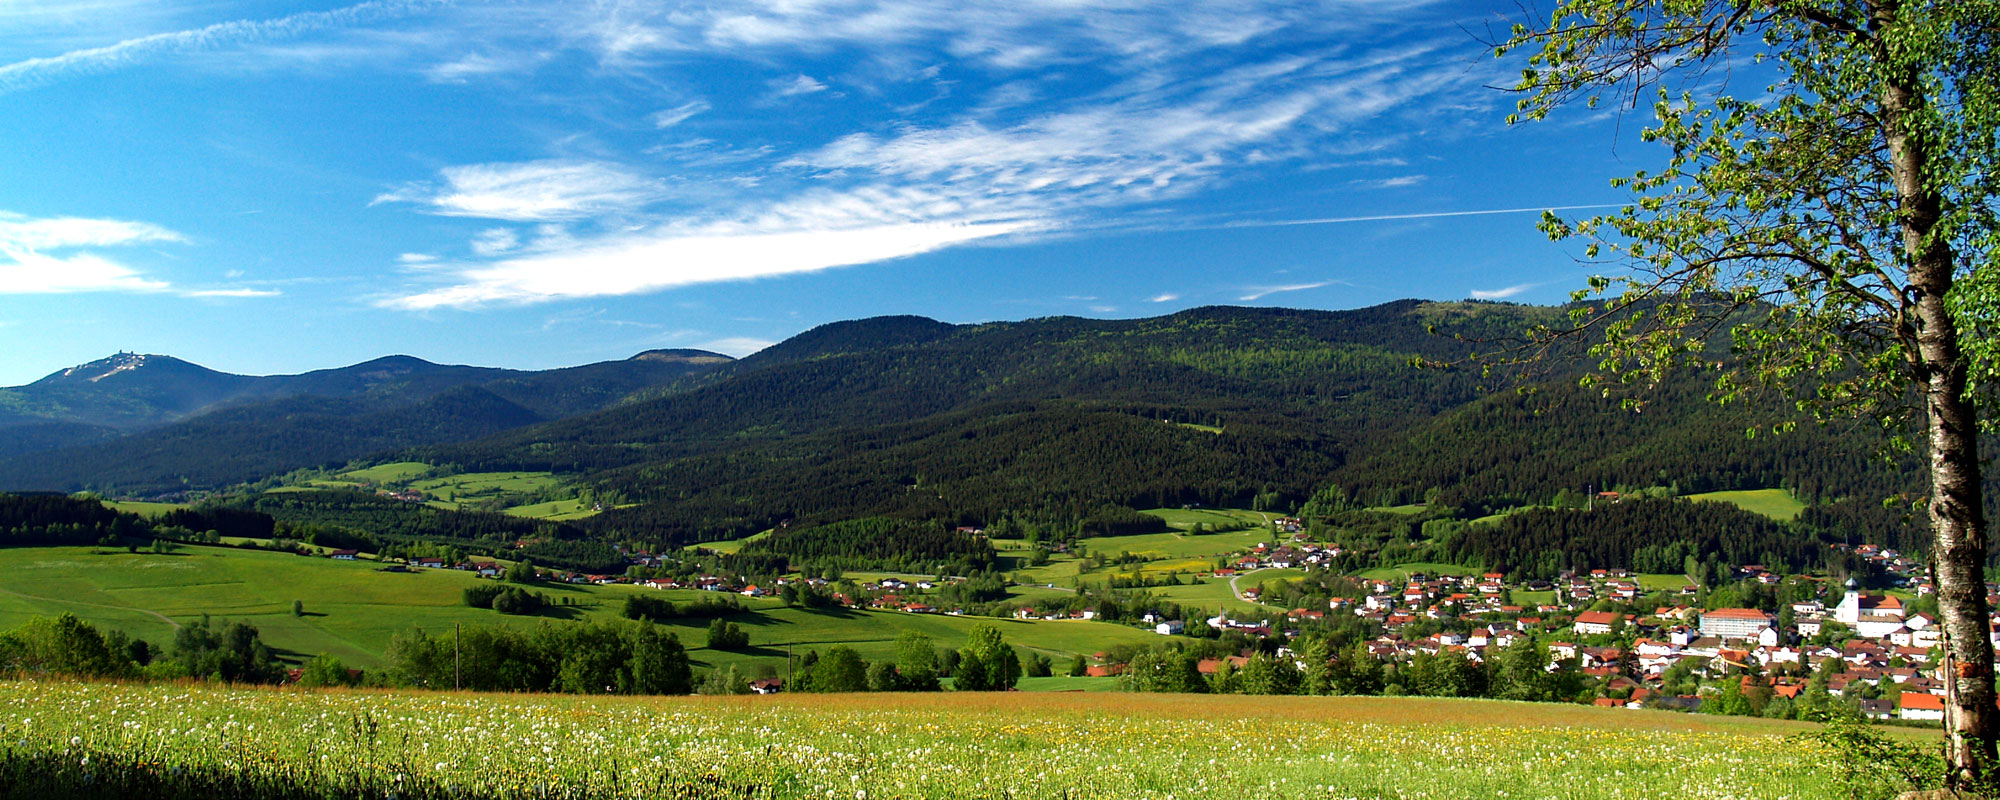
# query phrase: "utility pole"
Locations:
[[455, 659]]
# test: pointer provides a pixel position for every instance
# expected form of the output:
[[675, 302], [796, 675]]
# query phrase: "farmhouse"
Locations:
[[1921, 705], [1591, 623]]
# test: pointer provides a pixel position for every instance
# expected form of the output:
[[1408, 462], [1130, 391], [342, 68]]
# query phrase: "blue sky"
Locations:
[[266, 188]]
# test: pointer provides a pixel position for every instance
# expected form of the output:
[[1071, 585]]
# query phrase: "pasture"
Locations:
[[352, 609], [1778, 504], [68, 739]]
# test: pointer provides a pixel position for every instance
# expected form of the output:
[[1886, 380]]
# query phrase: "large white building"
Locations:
[[1735, 623]]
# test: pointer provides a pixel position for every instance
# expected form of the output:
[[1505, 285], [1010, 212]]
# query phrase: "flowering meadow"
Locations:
[[61, 739]]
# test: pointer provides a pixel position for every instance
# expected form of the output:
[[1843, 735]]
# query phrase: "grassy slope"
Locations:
[[143, 508], [396, 472], [456, 491], [353, 610], [1777, 504]]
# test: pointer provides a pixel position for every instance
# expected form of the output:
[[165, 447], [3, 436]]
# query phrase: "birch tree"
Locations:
[[1827, 202]]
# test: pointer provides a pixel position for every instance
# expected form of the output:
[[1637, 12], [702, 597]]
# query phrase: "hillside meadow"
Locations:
[[352, 609], [74, 739]]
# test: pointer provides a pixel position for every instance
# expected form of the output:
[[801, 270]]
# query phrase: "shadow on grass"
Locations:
[[42, 774]]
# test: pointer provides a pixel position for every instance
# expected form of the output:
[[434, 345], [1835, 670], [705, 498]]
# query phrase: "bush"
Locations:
[[481, 595], [727, 636], [518, 601], [655, 609]]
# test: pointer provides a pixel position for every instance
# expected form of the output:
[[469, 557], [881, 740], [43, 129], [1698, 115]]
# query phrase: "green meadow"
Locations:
[[112, 740], [352, 609], [1778, 504]]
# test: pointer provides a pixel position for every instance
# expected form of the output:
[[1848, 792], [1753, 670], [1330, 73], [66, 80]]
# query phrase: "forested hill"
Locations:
[[1063, 420], [187, 427], [1511, 449]]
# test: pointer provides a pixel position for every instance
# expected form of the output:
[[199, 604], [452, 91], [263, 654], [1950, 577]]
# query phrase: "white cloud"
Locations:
[[737, 346], [1501, 294], [802, 84], [28, 265], [1001, 34], [35, 72], [1261, 292], [528, 191], [669, 257], [1396, 182], [480, 65], [232, 293], [494, 241], [60, 232], [27, 272], [667, 118], [1163, 298], [416, 258]]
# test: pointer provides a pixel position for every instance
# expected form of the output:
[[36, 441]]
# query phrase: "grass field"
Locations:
[[508, 491], [1491, 518], [731, 546], [555, 510], [1777, 504], [1650, 582], [112, 740], [1182, 519], [384, 474], [352, 610], [1215, 593], [143, 508], [456, 490], [1180, 545]]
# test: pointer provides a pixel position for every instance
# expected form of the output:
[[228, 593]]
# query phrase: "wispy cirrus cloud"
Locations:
[[45, 255], [669, 117], [1160, 129], [494, 241], [1256, 293], [1163, 298], [797, 85], [35, 72], [816, 231], [527, 191], [232, 293]]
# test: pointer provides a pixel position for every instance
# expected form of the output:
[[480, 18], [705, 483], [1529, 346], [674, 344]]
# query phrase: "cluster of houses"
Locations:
[[1295, 555], [1888, 646]]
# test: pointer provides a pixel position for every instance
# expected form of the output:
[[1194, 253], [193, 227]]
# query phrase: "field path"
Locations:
[[1239, 592], [160, 616]]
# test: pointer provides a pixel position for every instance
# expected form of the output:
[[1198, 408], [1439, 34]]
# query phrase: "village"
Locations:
[[1634, 646]]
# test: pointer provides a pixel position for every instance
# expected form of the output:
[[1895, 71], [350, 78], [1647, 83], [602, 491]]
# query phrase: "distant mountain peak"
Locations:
[[683, 357], [102, 368]]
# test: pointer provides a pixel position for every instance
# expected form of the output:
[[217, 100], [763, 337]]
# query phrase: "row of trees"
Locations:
[[65, 645], [986, 663]]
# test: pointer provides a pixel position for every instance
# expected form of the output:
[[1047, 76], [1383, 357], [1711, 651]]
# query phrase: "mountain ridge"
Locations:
[[105, 422]]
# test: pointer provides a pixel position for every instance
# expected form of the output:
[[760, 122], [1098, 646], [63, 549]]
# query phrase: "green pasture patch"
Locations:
[[1778, 504]]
